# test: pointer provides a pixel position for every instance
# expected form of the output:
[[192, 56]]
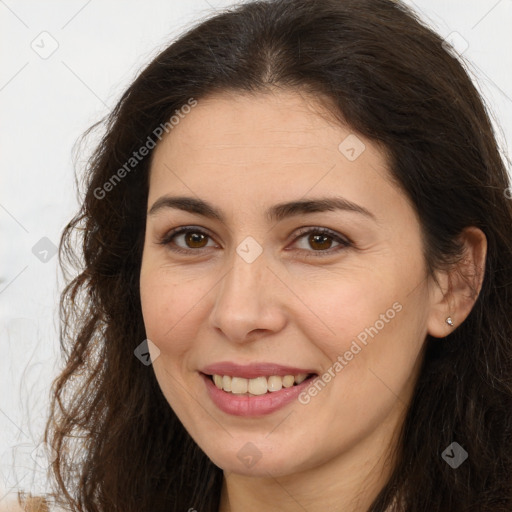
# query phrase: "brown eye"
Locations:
[[195, 239], [319, 242], [186, 240]]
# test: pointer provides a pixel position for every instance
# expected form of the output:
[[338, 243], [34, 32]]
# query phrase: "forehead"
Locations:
[[232, 124], [277, 146]]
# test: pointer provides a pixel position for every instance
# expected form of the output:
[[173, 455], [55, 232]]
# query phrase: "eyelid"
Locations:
[[324, 231]]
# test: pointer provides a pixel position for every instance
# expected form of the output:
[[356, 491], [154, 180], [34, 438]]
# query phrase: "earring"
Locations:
[[449, 321]]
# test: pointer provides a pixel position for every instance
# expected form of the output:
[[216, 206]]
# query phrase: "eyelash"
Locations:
[[344, 242]]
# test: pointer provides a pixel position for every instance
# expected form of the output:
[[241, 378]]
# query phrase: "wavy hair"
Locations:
[[392, 79]]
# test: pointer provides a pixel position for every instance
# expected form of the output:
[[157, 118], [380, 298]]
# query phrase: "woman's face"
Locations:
[[256, 289]]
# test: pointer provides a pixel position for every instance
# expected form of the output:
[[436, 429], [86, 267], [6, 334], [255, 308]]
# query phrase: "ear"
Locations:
[[457, 289]]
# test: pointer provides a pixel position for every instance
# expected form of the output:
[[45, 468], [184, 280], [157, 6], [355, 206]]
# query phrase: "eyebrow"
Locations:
[[275, 213]]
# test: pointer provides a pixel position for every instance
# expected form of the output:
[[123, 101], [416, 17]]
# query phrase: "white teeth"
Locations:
[[274, 383], [288, 381], [226, 383], [218, 381], [257, 386], [238, 385]]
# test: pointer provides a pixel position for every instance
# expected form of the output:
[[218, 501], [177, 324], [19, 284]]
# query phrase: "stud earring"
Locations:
[[449, 321]]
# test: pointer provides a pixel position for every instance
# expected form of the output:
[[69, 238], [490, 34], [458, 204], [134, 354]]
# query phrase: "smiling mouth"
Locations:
[[259, 385]]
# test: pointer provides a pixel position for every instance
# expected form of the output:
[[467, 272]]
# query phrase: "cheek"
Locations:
[[168, 310], [370, 318], [342, 307]]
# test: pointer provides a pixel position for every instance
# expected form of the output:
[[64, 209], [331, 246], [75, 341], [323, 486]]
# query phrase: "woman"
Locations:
[[297, 277]]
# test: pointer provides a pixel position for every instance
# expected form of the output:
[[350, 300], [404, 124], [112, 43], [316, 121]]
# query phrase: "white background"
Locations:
[[47, 103]]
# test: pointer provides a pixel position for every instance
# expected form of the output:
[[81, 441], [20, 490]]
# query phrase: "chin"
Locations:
[[251, 461]]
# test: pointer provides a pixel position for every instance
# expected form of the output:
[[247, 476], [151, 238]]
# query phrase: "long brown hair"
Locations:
[[119, 444]]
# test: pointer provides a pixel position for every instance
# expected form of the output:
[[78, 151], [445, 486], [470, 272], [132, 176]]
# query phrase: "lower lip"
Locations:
[[240, 405]]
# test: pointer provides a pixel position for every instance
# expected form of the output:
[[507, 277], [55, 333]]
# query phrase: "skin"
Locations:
[[244, 154]]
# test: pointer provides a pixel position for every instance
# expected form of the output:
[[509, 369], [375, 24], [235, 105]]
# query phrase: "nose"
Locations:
[[248, 301]]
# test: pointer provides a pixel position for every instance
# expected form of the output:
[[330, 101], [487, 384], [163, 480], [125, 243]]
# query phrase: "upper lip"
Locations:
[[253, 370]]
